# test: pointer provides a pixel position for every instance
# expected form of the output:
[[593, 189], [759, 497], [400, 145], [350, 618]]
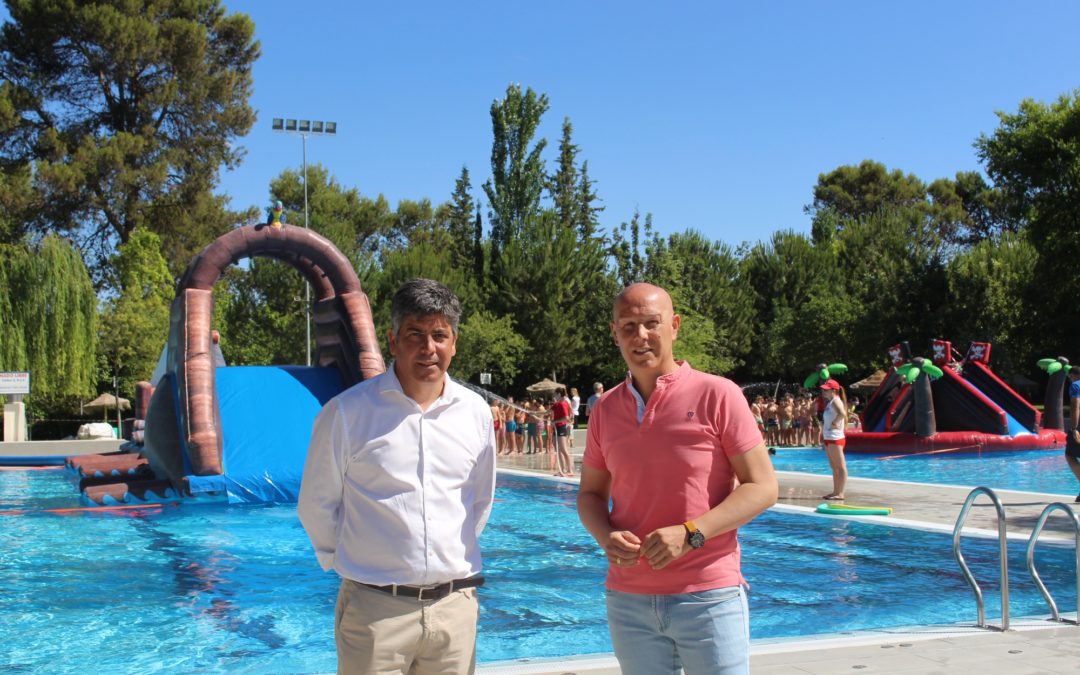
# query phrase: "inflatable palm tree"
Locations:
[[918, 374], [1053, 416], [823, 372]]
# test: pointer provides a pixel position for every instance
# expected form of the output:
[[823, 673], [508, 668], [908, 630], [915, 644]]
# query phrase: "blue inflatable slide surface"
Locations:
[[266, 417]]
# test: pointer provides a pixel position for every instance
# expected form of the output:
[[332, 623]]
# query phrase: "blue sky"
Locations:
[[716, 116]]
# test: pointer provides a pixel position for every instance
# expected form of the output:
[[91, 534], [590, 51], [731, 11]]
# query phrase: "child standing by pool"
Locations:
[[834, 420]]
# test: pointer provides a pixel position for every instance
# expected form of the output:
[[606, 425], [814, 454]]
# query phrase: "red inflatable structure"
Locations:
[[967, 408]]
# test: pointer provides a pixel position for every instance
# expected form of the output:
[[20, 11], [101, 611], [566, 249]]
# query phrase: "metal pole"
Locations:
[[307, 285], [116, 393]]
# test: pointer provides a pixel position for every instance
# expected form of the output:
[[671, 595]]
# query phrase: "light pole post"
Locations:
[[304, 128]]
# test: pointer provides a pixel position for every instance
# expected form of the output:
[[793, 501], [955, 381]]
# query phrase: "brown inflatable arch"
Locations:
[[344, 330]]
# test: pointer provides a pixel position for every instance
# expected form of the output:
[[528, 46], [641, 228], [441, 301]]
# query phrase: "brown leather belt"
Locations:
[[428, 592]]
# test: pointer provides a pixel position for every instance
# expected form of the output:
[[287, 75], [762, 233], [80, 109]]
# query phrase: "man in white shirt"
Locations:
[[397, 487]]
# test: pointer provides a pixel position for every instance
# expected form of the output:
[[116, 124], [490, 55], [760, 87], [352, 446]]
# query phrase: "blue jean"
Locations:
[[705, 632]]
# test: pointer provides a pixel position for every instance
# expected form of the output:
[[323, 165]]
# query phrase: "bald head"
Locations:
[[644, 325], [641, 293]]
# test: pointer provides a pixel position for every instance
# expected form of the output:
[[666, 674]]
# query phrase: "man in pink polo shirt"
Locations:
[[680, 457]]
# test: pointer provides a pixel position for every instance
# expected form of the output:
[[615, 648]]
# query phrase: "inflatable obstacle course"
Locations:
[[239, 434], [947, 404]]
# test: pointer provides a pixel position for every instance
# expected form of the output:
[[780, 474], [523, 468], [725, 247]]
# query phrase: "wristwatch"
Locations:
[[694, 537]]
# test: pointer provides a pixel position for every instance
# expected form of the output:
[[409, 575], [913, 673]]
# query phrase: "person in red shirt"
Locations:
[[560, 416], [680, 459]]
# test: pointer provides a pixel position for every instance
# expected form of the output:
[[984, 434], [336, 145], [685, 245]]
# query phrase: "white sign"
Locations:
[[14, 383], [485, 378]]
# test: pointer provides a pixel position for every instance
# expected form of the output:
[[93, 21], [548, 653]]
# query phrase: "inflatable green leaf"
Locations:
[[823, 373], [1052, 366], [911, 371]]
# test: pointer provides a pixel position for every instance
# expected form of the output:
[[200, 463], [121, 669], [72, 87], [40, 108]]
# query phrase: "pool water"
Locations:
[[1026, 470], [212, 588]]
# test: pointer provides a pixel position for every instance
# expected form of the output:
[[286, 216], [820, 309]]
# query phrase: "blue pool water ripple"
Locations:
[[213, 588]]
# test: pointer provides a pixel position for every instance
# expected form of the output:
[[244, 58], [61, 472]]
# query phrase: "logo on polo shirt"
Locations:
[[690, 414]]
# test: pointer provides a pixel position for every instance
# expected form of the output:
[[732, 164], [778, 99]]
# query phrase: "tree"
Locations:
[[125, 112], [463, 240], [985, 286], [135, 323], [553, 284], [48, 319], [853, 192], [262, 316], [967, 210], [487, 343], [707, 277], [517, 171], [1034, 158], [587, 203], [628, 248], [781, 275], [563, 185]]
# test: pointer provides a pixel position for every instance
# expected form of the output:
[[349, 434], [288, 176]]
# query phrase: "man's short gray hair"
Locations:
[[424, 297]]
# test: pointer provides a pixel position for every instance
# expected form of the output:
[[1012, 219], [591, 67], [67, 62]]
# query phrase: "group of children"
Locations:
[[791, 420], [528, 428]]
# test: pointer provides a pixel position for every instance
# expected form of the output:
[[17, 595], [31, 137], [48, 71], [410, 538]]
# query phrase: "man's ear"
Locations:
[[676, 321]]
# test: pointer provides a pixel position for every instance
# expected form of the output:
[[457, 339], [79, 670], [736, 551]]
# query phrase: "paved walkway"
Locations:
[[1032, 646]]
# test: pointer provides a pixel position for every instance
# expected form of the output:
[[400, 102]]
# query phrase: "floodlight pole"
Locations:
[[305, 128], [307, 284]]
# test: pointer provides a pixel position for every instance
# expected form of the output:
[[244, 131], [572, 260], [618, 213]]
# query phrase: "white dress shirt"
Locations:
[[392, 494]]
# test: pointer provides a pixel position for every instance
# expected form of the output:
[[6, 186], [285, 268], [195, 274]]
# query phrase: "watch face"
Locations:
[[696, 540]]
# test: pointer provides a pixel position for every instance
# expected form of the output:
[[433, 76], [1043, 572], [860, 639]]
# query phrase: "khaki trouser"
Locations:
[[379, 633]]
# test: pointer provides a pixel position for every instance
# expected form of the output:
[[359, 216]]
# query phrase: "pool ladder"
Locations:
[[1003, 566]]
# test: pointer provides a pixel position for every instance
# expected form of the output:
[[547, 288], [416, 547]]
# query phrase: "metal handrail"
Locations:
[[1004, 565], [1054, 615]]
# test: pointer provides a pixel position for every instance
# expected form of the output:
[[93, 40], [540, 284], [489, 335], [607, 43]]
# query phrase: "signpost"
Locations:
[[14, 385]]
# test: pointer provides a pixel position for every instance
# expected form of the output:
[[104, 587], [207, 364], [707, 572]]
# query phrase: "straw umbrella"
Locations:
[[105, 403]]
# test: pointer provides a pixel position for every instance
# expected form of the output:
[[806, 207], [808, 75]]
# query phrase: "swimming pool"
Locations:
[[1027, 470], [236, 588]]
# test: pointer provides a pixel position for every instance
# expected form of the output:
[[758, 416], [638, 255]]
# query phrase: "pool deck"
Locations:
[[1030, 646]]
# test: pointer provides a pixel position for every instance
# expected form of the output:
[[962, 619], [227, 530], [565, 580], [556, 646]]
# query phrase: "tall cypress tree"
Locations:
[[563, 186], [517, 170], [460, 222]]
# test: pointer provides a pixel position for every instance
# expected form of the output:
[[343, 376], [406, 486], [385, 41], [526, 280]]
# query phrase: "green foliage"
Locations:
[[48, 318], [697, 343], [490, 344], [706, 276], [262, 319], [854, 192], [359, 226], [1034, 158], [135, 322], [465, 239], [987, 285], [548, 279], [126, 112], [517, 170]]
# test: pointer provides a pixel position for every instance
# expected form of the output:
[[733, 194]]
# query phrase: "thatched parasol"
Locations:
[[105, 403], [544, 386]]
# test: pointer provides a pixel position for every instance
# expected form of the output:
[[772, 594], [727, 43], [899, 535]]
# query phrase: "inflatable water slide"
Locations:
[[945, 404], [208, 431]]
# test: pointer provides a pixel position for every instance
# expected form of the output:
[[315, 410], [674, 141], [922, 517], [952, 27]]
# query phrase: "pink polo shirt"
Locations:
[[670, 468]]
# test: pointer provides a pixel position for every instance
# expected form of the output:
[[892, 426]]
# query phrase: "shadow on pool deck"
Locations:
[[1033, 646]]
